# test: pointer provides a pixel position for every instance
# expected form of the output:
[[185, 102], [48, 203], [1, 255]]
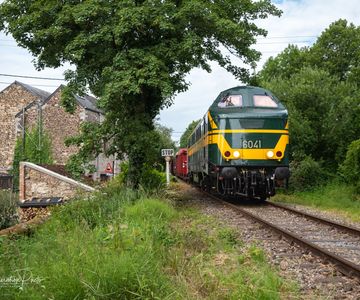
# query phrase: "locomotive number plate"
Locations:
[[251, 144]]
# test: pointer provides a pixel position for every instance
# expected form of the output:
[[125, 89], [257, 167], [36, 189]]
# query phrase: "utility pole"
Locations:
[[23, 129], [39, 129]]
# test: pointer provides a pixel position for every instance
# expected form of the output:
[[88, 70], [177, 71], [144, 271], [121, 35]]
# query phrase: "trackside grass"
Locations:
[[336, 197], [124, 245]]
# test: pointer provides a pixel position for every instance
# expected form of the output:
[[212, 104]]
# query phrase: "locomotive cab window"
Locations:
[[264, 101], [231, 101]]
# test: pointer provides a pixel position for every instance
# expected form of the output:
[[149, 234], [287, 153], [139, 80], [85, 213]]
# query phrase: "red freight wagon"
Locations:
[[181, 163]]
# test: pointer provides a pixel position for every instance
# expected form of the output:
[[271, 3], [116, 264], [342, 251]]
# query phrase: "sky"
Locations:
[[301, 23]]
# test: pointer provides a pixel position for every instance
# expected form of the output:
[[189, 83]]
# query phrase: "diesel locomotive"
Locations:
[[240, 147]]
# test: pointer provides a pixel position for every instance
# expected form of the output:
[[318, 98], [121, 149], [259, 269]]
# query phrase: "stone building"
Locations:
[[57, 123], [13, 99]]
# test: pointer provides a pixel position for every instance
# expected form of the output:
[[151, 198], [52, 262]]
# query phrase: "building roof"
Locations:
[[88, 102], [41, 94], [35, 91]]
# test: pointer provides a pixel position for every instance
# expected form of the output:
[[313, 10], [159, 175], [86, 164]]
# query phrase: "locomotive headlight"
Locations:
[[270, 154], [236, 154]]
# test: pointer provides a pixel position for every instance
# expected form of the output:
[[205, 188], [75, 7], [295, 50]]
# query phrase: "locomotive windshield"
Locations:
[[231, 101], [264, 101], [255, 100]]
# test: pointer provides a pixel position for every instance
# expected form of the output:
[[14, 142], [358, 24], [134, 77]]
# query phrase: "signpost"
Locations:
[[167, 153], [109, 169]]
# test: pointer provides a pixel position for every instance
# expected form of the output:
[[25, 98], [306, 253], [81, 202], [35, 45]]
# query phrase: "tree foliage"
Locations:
[[309, 95], [185, 136], [134, 54], [164, 140], [337, 51], [306, 174], [350, 169], [288, 62], [320, 87]]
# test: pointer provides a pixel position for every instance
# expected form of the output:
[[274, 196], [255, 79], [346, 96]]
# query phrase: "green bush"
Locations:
[[152, 179], [8, 206], [350, 169], [123, 176], [75, 167], [306, 174]]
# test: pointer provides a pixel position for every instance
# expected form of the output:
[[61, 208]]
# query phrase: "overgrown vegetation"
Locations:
[[151, 180], [122, 245], [78, 163], [8, 207], [307, 174], [36, 149], [350, 169]]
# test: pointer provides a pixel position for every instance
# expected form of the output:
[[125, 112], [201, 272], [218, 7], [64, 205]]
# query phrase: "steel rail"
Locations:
[[344, 266], [350, 229]]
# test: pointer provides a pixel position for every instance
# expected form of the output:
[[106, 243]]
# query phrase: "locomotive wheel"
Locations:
[[261, 199], [205, 184], [191, 178]]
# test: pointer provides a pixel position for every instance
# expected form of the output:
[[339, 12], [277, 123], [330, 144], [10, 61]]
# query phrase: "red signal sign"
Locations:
[[109, 169]]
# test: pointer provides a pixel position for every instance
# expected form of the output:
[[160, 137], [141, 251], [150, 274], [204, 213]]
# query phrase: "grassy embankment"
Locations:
[[335, 197], [126, 245]]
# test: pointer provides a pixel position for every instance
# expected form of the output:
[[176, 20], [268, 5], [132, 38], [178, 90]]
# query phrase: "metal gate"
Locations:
[[5, 181]]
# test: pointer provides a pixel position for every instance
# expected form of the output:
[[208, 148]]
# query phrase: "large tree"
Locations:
[[310, 95], [287, 63], [188, 131], [320, 87], [134, 54], [337, 51]]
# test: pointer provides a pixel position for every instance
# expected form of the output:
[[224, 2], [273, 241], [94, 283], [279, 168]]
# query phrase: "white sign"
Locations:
[[167, 152]]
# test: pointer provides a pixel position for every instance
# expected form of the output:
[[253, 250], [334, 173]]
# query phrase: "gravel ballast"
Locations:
[[316, 278]]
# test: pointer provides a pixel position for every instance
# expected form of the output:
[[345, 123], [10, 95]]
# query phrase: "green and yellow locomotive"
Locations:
[[240, 147]]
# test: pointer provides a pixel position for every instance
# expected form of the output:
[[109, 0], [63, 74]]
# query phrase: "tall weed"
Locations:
[[121, 245]]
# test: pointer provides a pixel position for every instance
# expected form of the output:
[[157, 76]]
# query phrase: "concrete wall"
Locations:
[[38, 182]]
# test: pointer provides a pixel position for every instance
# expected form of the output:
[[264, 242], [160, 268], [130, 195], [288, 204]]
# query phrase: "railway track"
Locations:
[[334, 242]]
